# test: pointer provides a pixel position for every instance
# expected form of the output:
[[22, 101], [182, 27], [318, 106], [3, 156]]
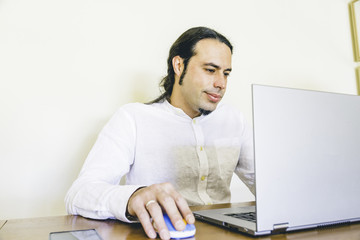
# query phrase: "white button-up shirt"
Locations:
[[159, 143]]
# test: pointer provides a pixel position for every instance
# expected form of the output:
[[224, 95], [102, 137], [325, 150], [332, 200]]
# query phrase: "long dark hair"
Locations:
[[184, 47]]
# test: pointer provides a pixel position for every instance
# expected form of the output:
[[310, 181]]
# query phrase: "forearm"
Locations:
[[245, 167], [99, 200], [248, 178]]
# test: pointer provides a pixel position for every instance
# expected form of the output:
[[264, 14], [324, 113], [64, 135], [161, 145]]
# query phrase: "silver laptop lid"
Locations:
[[307, 157]]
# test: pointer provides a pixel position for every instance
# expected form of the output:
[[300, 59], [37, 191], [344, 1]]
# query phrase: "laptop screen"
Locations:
[[307, 156]]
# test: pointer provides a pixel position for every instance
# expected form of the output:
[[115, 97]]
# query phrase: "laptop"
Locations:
[[307, 163]]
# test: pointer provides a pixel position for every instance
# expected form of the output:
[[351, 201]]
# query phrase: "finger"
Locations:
[[145, 221], [172, 211], [157, 216], [184, 209], [181, 205]]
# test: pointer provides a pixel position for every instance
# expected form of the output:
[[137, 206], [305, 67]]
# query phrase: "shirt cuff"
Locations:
[[119, 200]]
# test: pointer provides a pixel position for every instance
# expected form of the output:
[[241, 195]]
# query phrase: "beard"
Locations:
[[204, 112]]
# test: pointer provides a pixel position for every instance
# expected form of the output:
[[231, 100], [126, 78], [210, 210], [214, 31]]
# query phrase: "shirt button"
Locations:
[[201, 148], [194, 121], [203, 178]]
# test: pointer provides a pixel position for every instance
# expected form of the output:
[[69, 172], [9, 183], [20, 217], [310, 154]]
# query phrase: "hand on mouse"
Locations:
[[151, 201], [189, 230]]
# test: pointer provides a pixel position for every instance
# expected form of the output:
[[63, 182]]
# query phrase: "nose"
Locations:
[[220, 81]]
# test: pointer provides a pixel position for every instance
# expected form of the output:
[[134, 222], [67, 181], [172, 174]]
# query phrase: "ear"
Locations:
[[178, 65]]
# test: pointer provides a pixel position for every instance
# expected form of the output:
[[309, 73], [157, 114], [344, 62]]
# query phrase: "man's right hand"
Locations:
[[151, 201]]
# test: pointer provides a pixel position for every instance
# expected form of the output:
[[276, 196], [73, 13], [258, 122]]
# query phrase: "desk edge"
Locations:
[[2, 223]]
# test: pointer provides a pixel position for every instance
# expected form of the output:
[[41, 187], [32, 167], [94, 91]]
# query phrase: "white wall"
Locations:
[[66, 66]]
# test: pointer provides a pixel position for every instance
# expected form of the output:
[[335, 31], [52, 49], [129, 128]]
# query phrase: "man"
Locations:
[[179, 150]]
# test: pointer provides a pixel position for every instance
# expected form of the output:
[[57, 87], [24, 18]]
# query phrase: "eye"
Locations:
[[210, 70], [226, 74]]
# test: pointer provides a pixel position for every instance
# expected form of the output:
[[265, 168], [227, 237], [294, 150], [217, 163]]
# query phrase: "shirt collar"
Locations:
[[178, 111]]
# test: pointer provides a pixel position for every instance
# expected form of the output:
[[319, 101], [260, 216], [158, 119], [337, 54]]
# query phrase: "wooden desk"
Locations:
[[39, 229]]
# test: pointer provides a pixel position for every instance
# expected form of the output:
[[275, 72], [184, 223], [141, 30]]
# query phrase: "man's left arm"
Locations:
[[245, 167]]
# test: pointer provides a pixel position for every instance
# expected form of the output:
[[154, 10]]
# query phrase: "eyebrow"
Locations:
[[216, 66]]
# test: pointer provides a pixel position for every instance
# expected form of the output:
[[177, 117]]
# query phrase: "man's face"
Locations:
[[205, 80]]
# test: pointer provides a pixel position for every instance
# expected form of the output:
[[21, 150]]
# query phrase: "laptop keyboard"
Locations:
[[248, 216]]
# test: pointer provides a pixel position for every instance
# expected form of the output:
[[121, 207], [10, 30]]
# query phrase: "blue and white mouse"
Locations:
[[189, 230]]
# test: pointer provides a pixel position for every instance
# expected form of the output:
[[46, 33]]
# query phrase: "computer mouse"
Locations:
[[189, 230]]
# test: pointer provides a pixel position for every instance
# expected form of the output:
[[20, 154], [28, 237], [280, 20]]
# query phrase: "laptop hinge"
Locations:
[[280, 228]]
